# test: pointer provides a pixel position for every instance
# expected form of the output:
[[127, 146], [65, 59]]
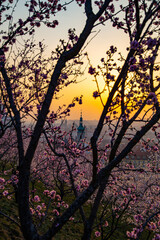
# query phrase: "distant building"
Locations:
[[80, 129], [139, 158]]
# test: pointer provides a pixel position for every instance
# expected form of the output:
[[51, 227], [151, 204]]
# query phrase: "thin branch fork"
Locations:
[[70, 173]]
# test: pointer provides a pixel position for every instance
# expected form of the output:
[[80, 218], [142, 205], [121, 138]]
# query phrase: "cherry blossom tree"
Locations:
[[29, 82]]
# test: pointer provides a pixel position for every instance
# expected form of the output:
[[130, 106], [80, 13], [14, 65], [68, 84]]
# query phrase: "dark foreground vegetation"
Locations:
[[85, 187]]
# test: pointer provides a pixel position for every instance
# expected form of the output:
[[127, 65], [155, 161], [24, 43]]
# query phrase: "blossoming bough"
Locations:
[[130, 92]]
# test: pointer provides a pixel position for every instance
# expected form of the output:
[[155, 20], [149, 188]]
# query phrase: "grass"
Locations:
[[8, 229], [72, 230]]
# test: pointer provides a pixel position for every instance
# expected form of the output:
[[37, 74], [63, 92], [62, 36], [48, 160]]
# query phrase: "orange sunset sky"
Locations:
[[74, 17]]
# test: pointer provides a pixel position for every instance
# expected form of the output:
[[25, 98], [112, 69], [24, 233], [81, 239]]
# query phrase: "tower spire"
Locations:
[[81, 128]]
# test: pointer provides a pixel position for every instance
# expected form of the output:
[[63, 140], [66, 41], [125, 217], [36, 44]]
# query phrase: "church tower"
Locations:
[[80, 129]]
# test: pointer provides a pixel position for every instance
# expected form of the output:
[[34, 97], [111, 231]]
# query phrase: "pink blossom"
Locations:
[[53, 193], [152, 226], [142, 62], [132, 60], [39, 214], [113, 49], [58, 197], [151, 95], [39, 208], [157, 237], [97, 234], [128, 234], [46, 192], [133, 68], [2, 181], [37, 198], [5, 193], [32, 211], [109, 76], [85, 183], [101, 19], [58, 204], [43, 205], [128, 190], [78, 187], [106, 224], [91, 70], [95, 94], [56, 212], [134, 44], [155, 148], [151, 42]]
